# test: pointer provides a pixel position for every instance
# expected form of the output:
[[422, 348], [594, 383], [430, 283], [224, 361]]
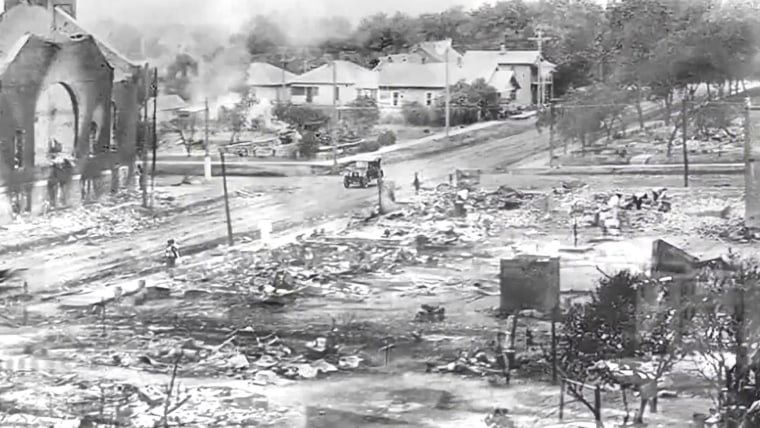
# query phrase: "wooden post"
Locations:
[[380, 194], [685, 148], [513, 335], [554, 346], [154, 135], [226, 199], [144, 154], [448, 94], [551, 134], [598, 403], [562, 399]]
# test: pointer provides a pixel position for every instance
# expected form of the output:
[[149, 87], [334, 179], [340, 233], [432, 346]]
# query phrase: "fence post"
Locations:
[[562, 400], [598, 403]]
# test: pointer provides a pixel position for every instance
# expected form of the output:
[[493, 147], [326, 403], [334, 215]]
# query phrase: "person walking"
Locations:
[[171, 254], [416, 183]]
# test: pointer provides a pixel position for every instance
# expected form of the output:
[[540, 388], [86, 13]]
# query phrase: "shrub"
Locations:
[[369, 146], [386, 138], [299, 115], [308, 145], [416, 114], [364, 116]]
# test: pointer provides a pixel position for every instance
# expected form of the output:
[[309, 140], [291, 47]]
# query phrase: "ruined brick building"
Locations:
[[69, 110]]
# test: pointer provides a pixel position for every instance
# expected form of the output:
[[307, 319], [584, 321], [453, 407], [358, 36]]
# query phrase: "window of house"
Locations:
[[298, 91], [513, 94], [429, 99], [93, 138], [396, 97], [18, 149]]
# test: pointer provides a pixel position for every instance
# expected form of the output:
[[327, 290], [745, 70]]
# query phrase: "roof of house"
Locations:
[[346, 73], [437, 49], [398, 59], [265, 74], [508, 57], [411, 75], [503, 80]]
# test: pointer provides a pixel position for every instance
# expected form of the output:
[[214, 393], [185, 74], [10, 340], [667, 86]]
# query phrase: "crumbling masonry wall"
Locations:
[[78, 65]]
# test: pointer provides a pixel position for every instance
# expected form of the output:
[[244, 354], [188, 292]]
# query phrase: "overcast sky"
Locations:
[[234, 12]]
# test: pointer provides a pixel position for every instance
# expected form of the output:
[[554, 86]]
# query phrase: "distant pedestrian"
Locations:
[[171, 254], [416, 183]]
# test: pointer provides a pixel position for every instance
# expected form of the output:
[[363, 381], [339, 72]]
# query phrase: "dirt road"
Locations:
[[84, 261]]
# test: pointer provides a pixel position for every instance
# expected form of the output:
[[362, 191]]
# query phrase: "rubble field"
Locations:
[[407, 295], [714, 145]]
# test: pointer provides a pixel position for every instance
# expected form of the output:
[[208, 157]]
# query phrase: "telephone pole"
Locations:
[[154, 93], [144, 154], [539, 39], [207, 158], [335, 111], [448, 93]]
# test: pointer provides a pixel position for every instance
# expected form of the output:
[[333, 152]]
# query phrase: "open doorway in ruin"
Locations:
[[55, 138]]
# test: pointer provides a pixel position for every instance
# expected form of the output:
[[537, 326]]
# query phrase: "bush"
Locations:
[[299, 115], [369, 146], [365, 115], [415, 114], [386, 138], [308, 145]]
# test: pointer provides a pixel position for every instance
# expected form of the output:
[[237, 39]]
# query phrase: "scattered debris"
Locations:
[[428, 313]]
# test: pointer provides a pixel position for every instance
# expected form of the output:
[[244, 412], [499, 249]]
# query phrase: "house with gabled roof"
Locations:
[[338, 82], [269, 82], [424, 53], [69, 110], [523, 64]]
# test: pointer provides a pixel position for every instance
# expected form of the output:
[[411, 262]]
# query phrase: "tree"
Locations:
[[362, 115], [264, 37], [449, 24], [615, 325], [486, 29], [719, 332], [387, 34], [586, 111]]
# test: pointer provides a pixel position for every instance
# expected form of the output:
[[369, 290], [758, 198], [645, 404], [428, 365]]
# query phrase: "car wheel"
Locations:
[[346, 183]]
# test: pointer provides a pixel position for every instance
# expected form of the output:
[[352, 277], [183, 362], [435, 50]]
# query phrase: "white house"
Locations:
[[340, 80], [402, 83], [269, 82], [523, 64]]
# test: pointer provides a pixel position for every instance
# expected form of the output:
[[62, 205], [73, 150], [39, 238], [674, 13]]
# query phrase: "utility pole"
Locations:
[[335, 111], [154, 91], [539, 39], [207, 158], [144, 154], [281, 93], [685, 148], [226, 199], [448, 93], [551, 133]]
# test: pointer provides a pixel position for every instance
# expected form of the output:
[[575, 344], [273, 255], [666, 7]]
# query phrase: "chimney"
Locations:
[[503, 47]]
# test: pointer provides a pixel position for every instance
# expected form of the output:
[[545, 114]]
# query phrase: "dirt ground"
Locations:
[[82, 351]]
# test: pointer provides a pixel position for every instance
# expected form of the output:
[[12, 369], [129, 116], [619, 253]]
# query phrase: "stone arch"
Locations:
[[56, 123]]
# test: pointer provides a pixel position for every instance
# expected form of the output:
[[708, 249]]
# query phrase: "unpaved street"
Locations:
[[314, 197]]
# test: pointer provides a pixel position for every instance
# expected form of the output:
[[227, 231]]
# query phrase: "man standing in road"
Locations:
[[171, 254], [416, 183]]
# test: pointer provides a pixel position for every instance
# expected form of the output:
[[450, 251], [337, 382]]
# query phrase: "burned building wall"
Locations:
[[60, 58], [76, 67]]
